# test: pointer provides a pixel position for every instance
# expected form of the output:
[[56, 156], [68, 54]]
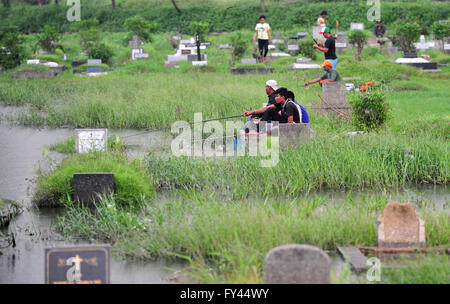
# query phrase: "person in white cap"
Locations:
[[271, 87]]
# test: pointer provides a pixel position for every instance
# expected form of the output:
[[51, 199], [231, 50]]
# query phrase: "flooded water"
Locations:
[[21, 155]]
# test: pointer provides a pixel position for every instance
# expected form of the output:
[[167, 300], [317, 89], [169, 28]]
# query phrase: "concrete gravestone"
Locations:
[[94, 62], [87, 186], [296, 264], [334, 93], [136, 42], [357, 26], [293, 134], [138, 54], [90, 140], [248, 61], [400, 227]]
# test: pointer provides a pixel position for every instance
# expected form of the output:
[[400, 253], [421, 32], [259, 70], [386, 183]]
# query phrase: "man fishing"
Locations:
[[330, 75], [271, 87]]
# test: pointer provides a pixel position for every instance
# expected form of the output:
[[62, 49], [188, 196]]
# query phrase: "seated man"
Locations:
[[284, 111], [304, 117], [329, 76], [380, 33]]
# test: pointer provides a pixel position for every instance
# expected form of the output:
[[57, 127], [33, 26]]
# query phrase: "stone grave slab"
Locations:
[[279, 54], [138, 54], [94, 61], [306, 66], [296, 264], [33, 61], [87, 186], [225, 47], [278, 41], [302, 35], [186, 51], [90, 140], [400, 227], [303, 60], [94, 70], [199, 63], [248, 61], [194, 57], [334, 93], [355, 258], [447, 48], [87, 264], [40, 52], [271, 47], [357, 26], [293, 47]]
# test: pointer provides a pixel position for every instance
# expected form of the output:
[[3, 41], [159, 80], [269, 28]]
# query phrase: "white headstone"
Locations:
[[94, 61], [306, 66], [357, 26], [340, 45], [199, 63], [225, 46], [90, 140], [271, 47], [293, 47], [446, 47], [248, 61], [33, 61]]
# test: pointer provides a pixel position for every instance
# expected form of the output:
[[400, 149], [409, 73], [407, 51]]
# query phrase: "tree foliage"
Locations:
[[358, 39], [12, 52]]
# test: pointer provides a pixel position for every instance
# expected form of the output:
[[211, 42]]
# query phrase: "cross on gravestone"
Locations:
[[78, 265], [357, 26], [90, 140], [88, 186], [334, 93], [400, 227], [248, 61], [135, 42], [296, 264]]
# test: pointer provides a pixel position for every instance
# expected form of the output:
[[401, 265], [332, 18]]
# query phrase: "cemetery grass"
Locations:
[[225, 241]]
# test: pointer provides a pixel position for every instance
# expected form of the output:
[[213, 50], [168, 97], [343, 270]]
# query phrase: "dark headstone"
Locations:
[[194, 57], [297, 264], [354, 257], [78, 265], [87, 186]]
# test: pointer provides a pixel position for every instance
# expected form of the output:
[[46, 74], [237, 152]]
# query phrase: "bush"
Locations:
[[306, 48], [89, 37], [84, 25], [12, 52], [370, 109], [240, 45], [101, 51], [201, 28], [141, 27], [358, 39], [406, 33], [48, 39], [441, 30]]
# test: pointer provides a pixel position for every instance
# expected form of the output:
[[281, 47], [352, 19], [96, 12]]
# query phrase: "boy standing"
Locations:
[[262, 31]]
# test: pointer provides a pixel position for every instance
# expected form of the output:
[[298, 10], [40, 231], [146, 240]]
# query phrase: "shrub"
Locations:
[[12, 52], [101, 51], [201, 28], [48, 39], [141, 27], [370, 109], [89, 37], [84, 25], [306, 48], [441, 30], [240, 45], [406, 33], [358, 39]]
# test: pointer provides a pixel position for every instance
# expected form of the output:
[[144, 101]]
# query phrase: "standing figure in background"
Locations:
[[262, 31], [321, 19], [380, 33]]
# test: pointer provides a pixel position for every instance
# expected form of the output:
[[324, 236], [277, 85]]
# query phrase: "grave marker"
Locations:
[[138, 54], [296, 264], [293, 47], [248, 61], [225, 46], [400, 227], [90, 140], [199, 63], [135, 42], [94, 61], [77, 265], [302, 35], [334, 93], [88, 186], [357, 26]]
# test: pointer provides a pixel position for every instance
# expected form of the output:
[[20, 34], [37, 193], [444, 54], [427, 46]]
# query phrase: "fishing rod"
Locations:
[[191, 123]]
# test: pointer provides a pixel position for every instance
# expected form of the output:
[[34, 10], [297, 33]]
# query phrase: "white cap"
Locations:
[[273, 84]]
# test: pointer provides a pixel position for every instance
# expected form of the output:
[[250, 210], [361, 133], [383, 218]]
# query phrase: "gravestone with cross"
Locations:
[[135, 42], [138, 54], [90, 140]]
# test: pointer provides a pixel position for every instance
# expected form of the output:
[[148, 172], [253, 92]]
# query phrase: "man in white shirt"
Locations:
[[262, 31]]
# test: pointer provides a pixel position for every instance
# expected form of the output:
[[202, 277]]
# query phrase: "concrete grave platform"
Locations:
[[252, 70], [305, 66], [418, 63]]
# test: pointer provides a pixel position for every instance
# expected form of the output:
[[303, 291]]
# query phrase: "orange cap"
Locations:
[[327, 63]]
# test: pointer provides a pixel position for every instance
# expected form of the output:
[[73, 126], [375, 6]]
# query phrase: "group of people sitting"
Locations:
[[281, 107]]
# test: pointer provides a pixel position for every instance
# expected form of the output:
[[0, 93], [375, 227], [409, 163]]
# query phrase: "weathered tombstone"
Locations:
[[334, 93], [400, 227], [277, 35], [186, 51], [296, 264], [293, 47], [138, 54], [303, 60], [357, 26], [225, 46], [135, 42], [78, 265], [340, 46], [40, 52], [90, 140], [302, 35], [199, 63], [88, 186], [194, 57], [278, 41], [271, 47], [248, 61], [33, 61], [306, 66], [447, 48]]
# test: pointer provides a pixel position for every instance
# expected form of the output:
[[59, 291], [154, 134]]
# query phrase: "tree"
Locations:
[[113, 4], [176, 6], [12, 52], [263, 7], [358, 39], [405, 35]]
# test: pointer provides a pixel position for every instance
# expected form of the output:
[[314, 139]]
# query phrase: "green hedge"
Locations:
[[281, 17]]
